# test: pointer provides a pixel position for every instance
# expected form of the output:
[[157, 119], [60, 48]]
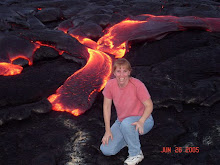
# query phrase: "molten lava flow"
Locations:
[[78, 92], [61, 107], [110, 43], [7, 69], [150, 27], [86, 41]]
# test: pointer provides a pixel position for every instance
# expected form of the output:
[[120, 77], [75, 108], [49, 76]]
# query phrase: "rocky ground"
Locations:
[[181, 72]]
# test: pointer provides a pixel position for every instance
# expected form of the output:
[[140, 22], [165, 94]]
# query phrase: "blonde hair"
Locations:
[[121, 62]]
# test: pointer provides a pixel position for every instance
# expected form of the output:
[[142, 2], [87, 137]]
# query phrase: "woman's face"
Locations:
[[122, 75]]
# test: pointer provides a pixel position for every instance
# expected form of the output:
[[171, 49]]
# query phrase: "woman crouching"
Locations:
[[133, 106]]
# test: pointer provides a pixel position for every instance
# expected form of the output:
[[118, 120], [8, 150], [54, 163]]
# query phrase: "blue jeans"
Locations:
[[125, 134]]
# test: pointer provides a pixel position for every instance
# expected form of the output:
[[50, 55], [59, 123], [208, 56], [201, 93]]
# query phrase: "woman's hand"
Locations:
[[105, 139], [139, 126]]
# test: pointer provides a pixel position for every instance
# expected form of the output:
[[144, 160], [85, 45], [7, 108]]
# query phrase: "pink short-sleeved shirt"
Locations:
[[127, 100]]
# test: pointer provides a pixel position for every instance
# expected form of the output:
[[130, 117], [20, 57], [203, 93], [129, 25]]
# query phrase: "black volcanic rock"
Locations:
[[65, 25], [45, 52], [44, 159], [24, 111], [89, 30], [183, 76], [49, 14], [101, 19], [172, 45], [12, 46], [57, 39], [12, 18], [21, 62], [36, 82], [35, 23]]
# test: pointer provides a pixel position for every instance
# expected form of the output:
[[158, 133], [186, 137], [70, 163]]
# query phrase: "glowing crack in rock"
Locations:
[[40, 43]]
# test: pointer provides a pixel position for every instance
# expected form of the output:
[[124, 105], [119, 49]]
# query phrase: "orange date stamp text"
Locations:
[[180, 150]]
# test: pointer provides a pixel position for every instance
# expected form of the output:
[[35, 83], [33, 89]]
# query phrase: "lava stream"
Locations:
[[78, 92], [150, 27]]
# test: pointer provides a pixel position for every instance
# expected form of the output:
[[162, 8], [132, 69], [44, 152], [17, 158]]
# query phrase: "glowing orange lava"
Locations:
[[150, 27], [85, 83], [7, 69], [109, 43], [86, 41]]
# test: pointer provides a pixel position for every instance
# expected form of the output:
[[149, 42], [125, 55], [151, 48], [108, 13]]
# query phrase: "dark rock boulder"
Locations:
[[49, 14], [36, 82], [58, 40]]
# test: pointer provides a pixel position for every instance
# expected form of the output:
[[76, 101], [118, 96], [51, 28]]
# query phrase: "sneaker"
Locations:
[[133, 160]]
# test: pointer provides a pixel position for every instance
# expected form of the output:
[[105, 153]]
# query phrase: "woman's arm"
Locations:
[[107, 116], [148, 104], [148, 110]]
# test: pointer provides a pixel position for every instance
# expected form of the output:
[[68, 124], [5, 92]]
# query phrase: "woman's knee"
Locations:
[[149, 123], [107, 151], [126, 124]]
